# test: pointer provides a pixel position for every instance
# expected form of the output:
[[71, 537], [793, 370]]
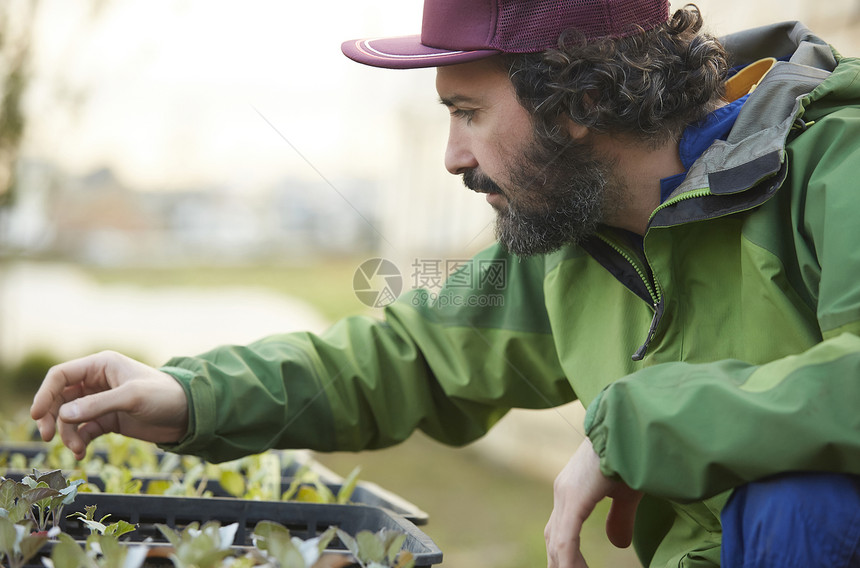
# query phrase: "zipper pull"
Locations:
[[655, 321]]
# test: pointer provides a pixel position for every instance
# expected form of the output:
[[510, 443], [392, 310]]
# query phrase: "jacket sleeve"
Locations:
[[451, 367], [689, 431]]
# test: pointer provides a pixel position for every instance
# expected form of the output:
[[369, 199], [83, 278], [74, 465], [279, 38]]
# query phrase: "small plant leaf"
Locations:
[[119, 528], [135, 556], [325, 539], [94, 526], [70, 491], [233, 482], [325, 494], [157, 487], [349, 542], [89, 513], [67, 553], [30, 544], [370, 547], [202, 547], [53, 479], [292, 490], [113, 553], [20, 511], [8, 537], [308, 494], [348, 486], [39, 494], [170, 534], [10, 490], [393, 544], [227, 534], [291, 557], [268, 530]]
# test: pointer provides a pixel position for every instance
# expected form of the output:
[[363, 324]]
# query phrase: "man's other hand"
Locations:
[[576, 491]]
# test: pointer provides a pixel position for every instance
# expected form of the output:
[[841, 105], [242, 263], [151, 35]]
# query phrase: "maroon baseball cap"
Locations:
[[457, 31]]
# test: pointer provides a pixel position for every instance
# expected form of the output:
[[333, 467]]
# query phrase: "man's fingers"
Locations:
[[621, 518], [93, 406], [62, 383], [49, 399], [71, 439], [84, 419]]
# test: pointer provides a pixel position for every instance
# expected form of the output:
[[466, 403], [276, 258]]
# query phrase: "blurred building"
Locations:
[[98, 219]]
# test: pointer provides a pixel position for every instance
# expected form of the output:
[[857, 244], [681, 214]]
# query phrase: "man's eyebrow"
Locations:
[[456, 100]]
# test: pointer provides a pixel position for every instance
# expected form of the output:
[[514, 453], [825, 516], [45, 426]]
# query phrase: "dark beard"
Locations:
[[562, 195]]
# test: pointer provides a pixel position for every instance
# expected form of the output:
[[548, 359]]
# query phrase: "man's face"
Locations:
[[545, 197]]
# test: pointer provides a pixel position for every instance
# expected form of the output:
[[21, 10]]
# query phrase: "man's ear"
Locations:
[[577, 131]]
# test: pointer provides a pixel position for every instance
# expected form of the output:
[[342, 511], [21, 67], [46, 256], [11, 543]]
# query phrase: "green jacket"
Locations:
[[743, 315]]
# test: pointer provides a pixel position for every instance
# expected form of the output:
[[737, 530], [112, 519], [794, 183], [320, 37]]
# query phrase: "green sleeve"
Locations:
[[689, 431], [451, 367], [686, 432]]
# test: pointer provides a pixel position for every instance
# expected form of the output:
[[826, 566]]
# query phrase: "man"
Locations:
[[681, 256]]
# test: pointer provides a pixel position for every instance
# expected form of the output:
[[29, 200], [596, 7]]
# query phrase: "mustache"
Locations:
[[479, 182]]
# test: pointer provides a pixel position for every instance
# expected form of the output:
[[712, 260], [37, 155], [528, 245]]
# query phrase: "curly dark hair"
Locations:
[[649, 85]]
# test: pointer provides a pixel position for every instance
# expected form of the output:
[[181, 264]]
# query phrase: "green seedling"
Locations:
[[48, 493], [200, 547], [344, 494], [378, 550], [276, 543], [18, 542], [119, 480], [116, 529], [12, 504], [129, 453], [307, 487], [99, 551], [39, 497]]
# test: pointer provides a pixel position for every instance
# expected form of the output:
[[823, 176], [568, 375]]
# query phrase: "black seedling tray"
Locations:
[[304, 520], [365, 493]]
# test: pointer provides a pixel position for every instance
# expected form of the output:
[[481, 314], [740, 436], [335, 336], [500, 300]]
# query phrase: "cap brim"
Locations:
[[406, 52]]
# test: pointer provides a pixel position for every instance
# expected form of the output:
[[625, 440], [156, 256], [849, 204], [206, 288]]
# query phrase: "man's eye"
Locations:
[[468, 115]]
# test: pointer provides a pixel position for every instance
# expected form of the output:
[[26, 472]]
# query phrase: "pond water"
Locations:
[[59, 309]]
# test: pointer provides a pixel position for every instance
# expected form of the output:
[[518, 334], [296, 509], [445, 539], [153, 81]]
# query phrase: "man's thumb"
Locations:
[[621, 517]]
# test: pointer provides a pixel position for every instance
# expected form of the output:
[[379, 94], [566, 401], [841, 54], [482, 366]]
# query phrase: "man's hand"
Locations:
[[109, 392], [577, 490]]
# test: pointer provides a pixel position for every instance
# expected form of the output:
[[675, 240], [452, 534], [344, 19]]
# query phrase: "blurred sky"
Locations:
[[171, 92]]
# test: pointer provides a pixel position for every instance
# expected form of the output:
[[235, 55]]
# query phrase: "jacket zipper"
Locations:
[[653, 291], [678, 198]]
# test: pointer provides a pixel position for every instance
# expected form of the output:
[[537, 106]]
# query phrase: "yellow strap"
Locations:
[[747, 79]]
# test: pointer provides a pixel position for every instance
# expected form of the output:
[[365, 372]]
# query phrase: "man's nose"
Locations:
[[458, 155]]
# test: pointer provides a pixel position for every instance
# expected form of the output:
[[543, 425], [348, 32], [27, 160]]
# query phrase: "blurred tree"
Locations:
[[16, 28]]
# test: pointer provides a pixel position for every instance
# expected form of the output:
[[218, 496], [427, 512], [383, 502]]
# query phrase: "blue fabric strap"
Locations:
[[698, 137]]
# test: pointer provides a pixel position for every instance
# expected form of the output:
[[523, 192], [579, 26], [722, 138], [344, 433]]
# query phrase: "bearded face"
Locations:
[[552, 197]]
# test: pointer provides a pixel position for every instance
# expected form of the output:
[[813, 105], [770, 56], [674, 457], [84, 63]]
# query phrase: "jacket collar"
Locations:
[[745, 170]]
